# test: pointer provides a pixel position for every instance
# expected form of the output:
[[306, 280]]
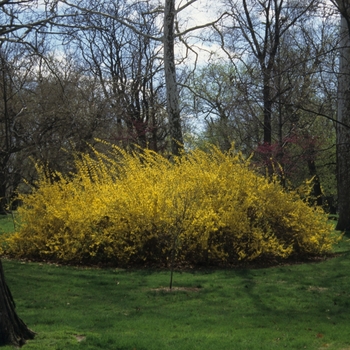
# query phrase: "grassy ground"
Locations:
[[304, 306], [6, 224]]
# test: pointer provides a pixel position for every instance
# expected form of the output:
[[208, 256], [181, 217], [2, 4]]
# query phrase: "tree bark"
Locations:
[[13, 331], [173, 108], [343, 132], [316, 192], [267, 108]]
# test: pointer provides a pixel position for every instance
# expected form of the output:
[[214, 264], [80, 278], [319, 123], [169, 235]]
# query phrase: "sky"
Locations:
[[197, 14]]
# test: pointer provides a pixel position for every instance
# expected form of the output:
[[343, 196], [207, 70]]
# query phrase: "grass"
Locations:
[[304, 306], [6, 224]]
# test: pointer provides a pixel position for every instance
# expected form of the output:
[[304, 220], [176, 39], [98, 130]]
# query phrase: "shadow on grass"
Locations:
[[290, 307], [304, 292]]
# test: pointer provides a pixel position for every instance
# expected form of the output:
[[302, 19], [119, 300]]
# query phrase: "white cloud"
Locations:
[[199, 49]]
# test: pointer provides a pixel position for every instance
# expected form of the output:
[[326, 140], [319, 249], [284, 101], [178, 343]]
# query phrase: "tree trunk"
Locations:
[[3, 201], [173, 108], [13, 331], [267, 109], [343, 132], [316, 192]]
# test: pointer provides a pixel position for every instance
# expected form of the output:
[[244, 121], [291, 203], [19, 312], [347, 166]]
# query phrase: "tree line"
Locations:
[[130, 72]]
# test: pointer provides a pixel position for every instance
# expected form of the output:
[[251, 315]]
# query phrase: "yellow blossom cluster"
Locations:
[[207, 207]]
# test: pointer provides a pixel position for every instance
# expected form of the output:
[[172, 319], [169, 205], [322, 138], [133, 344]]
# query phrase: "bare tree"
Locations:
[[223, 96], [20, 18], [166, 36], [263, 25], [13, 59], [230, 94], [128, 67]]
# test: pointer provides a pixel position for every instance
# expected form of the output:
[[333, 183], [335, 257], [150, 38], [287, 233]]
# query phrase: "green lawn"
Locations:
[[287, 307], [6, 223]]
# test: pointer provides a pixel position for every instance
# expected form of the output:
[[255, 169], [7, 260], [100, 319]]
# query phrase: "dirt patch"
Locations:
[[317, 289], [177, 289], [79, 337]]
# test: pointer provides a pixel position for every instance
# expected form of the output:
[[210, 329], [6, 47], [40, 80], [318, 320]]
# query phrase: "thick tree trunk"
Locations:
[[173, 108], [13, 331], [343, 132]]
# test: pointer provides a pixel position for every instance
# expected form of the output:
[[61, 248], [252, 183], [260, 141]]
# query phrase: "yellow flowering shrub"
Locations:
[[209, 207]]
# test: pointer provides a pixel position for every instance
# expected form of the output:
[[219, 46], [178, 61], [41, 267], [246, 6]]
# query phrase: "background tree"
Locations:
[[20, 20], [343, 118], [166, 36], [222, 95], [128, 68], [170, 77], [230, 96], [65, 112], [15, 67], [263, 25]]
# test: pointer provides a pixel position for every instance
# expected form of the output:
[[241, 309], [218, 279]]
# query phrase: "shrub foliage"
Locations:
[[208, 207]]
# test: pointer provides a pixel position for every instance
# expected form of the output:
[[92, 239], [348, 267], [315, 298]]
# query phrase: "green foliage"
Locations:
[[137, 208]]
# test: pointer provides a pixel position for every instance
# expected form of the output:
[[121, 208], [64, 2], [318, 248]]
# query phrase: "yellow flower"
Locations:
[[124, 207]]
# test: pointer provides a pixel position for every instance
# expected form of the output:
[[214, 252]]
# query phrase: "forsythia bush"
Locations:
[[208, 207]]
